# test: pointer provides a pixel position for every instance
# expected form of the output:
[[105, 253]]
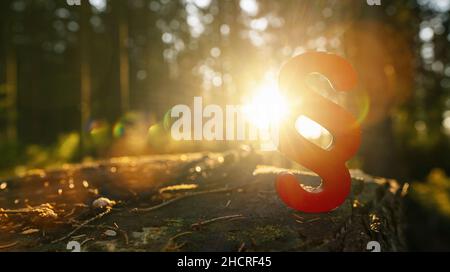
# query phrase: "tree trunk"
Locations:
[[85, 72], [124, 65], [190, 202], [9, 97], [11, 92]]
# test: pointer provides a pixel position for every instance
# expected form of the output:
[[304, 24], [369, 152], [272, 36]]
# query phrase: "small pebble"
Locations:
[[102, 203], [110, 233]]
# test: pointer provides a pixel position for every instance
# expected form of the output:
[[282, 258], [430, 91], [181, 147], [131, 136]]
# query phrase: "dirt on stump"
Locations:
[[189, 202]]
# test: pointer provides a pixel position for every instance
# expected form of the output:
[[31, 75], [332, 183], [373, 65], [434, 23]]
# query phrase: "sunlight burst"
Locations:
[[266, 108]]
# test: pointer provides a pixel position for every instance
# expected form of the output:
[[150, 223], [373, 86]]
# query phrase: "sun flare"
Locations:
[[268, 107]]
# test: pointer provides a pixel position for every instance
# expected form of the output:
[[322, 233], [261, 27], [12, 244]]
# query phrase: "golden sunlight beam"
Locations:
[[268, 107]]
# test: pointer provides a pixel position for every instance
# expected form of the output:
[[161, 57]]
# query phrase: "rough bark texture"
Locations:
[[227, 203]]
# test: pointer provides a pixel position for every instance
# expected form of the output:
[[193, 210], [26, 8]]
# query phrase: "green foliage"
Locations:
[[434, 194], [9, 151], [68, 146], [16, 158]]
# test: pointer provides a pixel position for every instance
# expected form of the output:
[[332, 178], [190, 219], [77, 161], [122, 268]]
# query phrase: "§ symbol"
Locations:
[[373, 246], [74, 246]]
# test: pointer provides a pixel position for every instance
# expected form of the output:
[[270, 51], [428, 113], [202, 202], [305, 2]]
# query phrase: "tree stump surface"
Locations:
[[190, 202]]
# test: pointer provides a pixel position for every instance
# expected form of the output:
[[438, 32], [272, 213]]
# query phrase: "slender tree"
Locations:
[[85, 70], [9, 101], [124, 62]]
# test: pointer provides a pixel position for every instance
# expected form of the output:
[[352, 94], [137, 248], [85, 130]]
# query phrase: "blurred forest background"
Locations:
[[95, 80]]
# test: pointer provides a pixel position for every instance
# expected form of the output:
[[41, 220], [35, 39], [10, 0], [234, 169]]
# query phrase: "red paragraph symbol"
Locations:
[[329, 164]]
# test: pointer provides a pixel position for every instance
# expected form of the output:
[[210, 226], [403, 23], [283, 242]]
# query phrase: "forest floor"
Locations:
[[189, 202]]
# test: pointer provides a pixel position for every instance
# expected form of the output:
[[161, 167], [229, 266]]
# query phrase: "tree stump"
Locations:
[[189, 202]]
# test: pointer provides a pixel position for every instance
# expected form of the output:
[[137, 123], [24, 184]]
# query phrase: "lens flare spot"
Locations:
[[119, 130]]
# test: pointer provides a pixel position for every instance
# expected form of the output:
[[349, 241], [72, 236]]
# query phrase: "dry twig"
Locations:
[[209, 221], [171, 245], [9, 245], [216, 191], [98, 216]]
